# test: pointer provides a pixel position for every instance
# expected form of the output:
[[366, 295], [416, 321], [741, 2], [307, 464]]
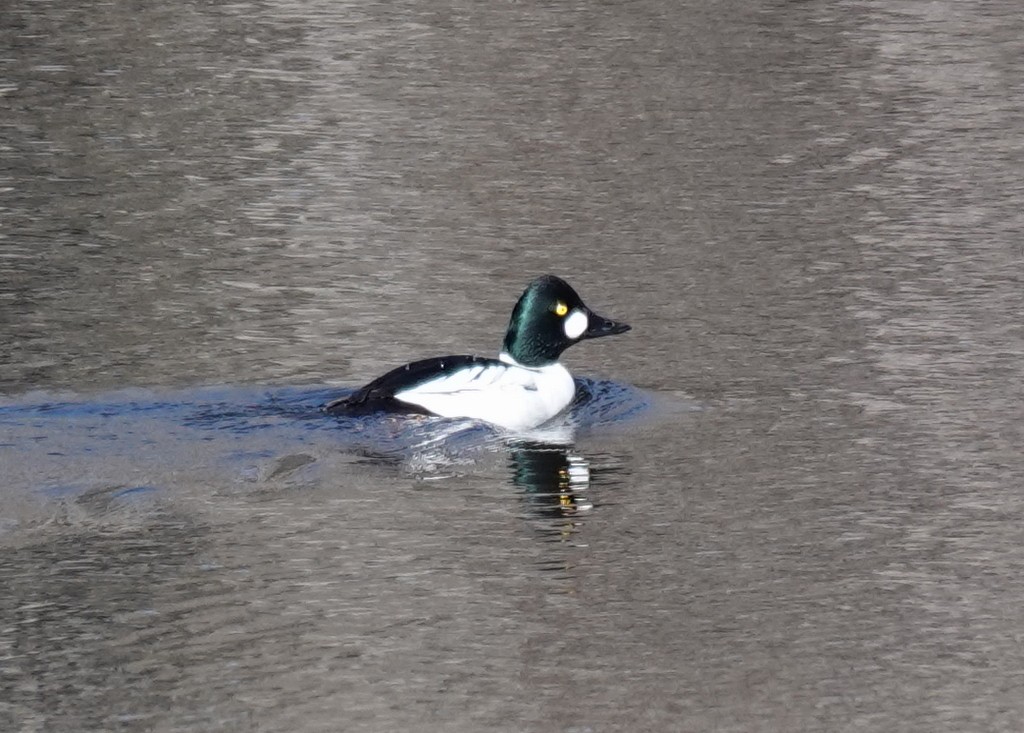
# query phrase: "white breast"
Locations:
[[508, 395]]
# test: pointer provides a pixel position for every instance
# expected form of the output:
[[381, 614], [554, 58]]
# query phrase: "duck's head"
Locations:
[[548, 319]]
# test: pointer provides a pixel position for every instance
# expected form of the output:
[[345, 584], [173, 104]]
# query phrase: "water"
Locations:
[[213, 217]]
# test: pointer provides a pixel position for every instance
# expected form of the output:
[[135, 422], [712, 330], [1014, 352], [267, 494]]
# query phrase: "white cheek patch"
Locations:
[[575, 324]]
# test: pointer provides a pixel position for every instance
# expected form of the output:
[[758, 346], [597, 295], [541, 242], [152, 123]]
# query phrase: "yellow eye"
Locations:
[[561, 308]]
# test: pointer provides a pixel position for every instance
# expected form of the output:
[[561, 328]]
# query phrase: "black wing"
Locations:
[[380, 393]]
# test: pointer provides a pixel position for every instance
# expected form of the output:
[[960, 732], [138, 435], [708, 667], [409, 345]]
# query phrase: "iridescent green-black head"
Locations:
[[548, 319]]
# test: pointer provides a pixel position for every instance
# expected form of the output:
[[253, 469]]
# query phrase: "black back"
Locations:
[[380, 393]]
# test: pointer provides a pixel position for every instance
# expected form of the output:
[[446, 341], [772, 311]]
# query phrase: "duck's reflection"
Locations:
[[553, 479]]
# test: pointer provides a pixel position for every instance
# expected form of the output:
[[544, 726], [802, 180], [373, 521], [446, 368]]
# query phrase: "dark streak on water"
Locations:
[[251, 433]]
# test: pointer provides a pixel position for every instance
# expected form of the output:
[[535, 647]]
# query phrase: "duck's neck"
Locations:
[[507, 358], [533, 353]]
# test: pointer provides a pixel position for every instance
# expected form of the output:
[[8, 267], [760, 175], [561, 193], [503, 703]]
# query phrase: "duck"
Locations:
[[523, 388]]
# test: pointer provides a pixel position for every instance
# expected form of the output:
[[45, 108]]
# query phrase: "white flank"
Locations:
[[508, 395]]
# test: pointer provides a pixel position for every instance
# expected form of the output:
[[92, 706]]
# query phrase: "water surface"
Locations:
[[214, 216]]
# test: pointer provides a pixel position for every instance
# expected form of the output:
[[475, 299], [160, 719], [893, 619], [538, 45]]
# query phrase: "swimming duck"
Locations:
[[523, 388]]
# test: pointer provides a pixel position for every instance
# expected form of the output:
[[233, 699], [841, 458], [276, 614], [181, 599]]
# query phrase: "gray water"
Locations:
[[214, 216]]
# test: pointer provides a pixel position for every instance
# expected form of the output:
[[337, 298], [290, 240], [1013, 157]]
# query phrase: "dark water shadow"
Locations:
[[137, 445]]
